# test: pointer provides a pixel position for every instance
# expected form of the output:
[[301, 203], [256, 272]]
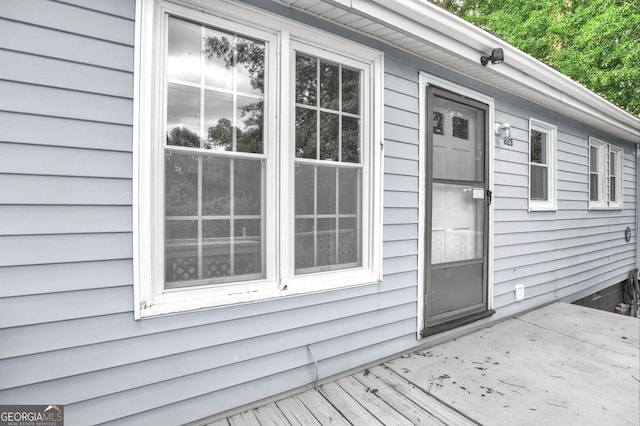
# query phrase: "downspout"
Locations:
[[637, 207]]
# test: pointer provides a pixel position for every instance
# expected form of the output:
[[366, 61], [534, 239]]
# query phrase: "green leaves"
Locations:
[[595, 42]]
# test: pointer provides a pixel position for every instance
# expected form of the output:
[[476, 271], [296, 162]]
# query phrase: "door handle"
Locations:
[[489, 197]]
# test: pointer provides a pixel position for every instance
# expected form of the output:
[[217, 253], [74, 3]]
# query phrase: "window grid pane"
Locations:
[[222, 238], [605, 175], [593, 187], [614, 166], [538, 147], [594, 177], [214, 209], [328, 122], [223, 81], [540, 172], [539, 182], [327, 234], [327, 195]]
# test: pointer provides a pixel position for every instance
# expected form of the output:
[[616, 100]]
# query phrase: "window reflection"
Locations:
[[183, 56], [233, 86], [327, 130], [214, 208]]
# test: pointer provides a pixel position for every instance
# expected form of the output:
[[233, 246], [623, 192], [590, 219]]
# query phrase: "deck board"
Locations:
[[296, 412], [416, 414], [478, 379], [430, 404], [270, 415], [248, 418], [372, 403], [323, 411], [348, 406], [221, 422]]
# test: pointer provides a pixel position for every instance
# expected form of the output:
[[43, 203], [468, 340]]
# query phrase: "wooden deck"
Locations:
[[376, 396], [557, 365]]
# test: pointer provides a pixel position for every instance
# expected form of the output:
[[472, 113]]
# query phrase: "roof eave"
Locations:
[[520, 74]]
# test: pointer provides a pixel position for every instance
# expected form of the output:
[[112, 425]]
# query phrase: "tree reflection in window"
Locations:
[[247, 57], [213, 201]]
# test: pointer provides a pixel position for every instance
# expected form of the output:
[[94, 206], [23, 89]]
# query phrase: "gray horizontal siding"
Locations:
[[42, 249], [66, 283], [65, 170], [62, 190], [54, 102], [58, 161], [75, 20], [28, 68], [60, 131], [119, 327], [53, 43], [564, 254], [61, 306], [40, 220], [64, 277], [201, 406], [121, 8], [268, 336]]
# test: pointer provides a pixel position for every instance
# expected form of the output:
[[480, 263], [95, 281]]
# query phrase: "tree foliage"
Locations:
[[595, 42]]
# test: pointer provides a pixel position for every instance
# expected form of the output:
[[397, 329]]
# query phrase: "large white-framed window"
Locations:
[[542, 166], [257, 158], [605, 175]]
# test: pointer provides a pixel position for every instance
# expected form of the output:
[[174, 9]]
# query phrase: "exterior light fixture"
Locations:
[[503, 131], [497, 57]]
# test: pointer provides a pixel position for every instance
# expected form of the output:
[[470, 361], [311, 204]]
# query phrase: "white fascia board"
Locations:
[[451, 34]]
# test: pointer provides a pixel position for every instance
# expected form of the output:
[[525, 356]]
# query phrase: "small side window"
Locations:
[[605, 175], [542, 166]]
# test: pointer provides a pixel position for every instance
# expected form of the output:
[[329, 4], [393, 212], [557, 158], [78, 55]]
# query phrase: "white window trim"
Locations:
[[551, 204], [150, 298], [604, 149]]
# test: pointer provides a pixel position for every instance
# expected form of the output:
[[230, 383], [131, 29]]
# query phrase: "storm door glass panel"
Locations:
[[328, 168], [458, 182], [539, 166], [457, 230], [458, 153], [593, 174], [214, 199]]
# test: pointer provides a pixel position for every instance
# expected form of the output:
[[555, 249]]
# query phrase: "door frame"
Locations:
[[426, 80]]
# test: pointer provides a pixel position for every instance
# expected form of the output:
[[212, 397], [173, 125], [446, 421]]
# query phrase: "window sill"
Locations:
[[606, 208], [543, 205], [543, 208], [192, 300]]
